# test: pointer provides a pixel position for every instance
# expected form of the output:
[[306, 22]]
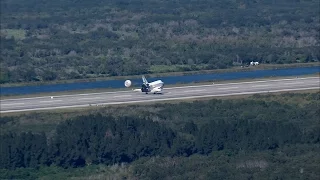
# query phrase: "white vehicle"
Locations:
[[254, 63], [152, 87]]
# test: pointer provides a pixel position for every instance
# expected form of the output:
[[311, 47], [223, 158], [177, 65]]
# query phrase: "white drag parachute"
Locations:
[[127, 83]]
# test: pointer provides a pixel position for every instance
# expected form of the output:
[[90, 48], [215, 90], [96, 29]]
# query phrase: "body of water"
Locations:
[[167, 80]]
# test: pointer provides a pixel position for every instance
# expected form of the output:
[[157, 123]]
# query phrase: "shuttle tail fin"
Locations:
[[144, 80]]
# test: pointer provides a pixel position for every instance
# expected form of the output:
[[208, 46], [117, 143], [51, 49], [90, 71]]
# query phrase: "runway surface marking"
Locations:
[[90, 98], [197, 90], [264, 85], [50, 101], [12, 104], [122, 96], [229, 88], [126, 97], [127, 91], [294, 83], [248, 82], [154, 100]]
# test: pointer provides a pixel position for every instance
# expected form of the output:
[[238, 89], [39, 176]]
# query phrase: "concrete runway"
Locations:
[[175, 93]]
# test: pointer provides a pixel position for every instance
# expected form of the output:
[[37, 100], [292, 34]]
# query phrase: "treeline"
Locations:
[[98, 139], [291, 162], [87, 140], [54, 40], [260, 137]]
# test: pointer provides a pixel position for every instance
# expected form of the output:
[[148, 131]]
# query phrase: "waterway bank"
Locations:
[[169, 80], [101, 90], [229, 70]]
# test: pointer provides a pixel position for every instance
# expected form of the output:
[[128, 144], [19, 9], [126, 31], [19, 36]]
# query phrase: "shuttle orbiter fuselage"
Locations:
[[152, 87]]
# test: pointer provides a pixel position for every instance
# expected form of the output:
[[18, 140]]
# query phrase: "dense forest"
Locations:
[[246, 137], [44, 40]]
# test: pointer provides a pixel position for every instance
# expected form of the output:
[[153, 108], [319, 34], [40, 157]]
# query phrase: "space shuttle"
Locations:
[[154, 87]]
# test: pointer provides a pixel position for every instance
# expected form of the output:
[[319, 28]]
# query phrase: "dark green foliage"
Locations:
[[97, 139], [281, 136], [6, 119], [56, 40], [246, 135], [190, 128], [23, 150], [264, 165]]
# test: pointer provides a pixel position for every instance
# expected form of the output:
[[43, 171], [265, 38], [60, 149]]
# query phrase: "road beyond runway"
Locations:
[[174, 93]]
